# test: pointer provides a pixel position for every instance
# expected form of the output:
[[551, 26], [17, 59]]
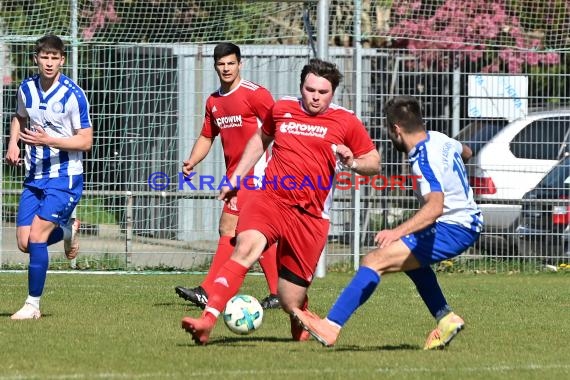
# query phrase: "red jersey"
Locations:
[[236, 116], [303, 163]]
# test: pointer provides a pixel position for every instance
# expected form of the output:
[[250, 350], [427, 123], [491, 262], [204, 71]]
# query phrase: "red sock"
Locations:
[[268, 262], [226, 284], [222, 255], [211, 318]]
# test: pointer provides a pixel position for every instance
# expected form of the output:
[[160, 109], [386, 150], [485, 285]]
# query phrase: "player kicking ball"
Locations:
[[303, 131], [447, 223]]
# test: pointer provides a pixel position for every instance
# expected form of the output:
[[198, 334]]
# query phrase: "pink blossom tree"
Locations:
[[99, 13], [472, 27]]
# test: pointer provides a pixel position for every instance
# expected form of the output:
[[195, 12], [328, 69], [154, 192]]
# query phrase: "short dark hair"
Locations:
[[226, 48], [406, 112], [50, 43], [327, 70]]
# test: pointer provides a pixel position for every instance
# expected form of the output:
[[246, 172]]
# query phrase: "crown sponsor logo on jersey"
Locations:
[[233, 121], [303, 129]]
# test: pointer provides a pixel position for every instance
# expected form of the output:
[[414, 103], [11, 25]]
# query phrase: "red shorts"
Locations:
[[301, 236]]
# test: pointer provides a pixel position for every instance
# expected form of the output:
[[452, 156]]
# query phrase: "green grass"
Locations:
[[95, 210], [105, 326]]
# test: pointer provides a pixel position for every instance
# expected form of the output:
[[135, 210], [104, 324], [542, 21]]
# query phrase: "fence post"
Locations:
[[358, 112], [323, 53], [129, 228], [3, 71], [456, 98], [74, 27]]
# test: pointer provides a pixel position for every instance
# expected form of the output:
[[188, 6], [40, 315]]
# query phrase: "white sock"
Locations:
[[34, 301], [215, 312], [333, 323]]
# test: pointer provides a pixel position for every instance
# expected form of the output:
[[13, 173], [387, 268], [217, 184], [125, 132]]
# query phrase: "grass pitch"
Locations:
[[105, 326]]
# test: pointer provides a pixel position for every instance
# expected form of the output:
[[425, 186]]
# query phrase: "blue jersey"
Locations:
[[60, 111], [438, 164]]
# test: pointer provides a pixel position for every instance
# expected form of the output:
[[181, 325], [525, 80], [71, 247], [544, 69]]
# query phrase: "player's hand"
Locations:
[[228, 194], [37, 136], [344, 154], [386, 237], [13, 156], [187, 167]]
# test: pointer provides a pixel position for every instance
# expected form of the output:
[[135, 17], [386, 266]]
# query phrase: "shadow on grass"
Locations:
[[173, 303], [243, 342], [239, 341], [10, 314], [386, 347]]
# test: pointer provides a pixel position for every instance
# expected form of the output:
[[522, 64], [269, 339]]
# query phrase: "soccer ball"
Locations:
[[243, 314]]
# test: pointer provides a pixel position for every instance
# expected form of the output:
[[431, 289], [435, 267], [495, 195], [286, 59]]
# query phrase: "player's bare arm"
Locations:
[[253, 151], [426, 216], [13, 152], [255, 147], [81, 141], [199, 151], [365, 164]]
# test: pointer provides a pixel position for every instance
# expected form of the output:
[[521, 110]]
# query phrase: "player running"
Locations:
[[235, 112], [59, 131]]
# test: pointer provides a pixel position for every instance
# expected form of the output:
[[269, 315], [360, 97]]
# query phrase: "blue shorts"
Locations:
[[51, 199], [440, 241]]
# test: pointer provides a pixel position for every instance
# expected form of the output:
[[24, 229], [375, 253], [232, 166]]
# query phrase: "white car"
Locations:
[[510, 159]]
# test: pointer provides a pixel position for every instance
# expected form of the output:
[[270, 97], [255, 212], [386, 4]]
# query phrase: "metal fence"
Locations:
[[147, 104]]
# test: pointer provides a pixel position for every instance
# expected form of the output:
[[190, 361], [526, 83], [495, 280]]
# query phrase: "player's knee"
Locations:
[[227, 231], [248, 250], [374, 262], [23, 246], [22, 238], [227, 225]]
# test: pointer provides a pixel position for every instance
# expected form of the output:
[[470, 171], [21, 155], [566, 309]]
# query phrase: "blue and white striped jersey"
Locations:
[[437, 161], [61, 110]]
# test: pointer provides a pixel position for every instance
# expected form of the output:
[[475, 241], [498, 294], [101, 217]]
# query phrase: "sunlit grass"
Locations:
[[128, 327]]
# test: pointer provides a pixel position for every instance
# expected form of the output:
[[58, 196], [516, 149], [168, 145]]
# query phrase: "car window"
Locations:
[[556, 176], [478, 133], [542, 139]]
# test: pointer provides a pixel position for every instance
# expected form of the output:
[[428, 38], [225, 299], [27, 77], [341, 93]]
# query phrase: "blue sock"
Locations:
[[37, 270], [427, 286], [55, 236], [354, 295]]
